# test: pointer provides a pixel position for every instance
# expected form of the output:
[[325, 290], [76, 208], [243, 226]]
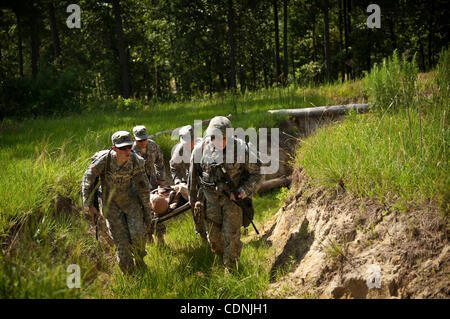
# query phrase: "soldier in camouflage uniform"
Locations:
[[125, 201], [181, 154], [152, 154], [224, 217], [179, 168], [154, 166]]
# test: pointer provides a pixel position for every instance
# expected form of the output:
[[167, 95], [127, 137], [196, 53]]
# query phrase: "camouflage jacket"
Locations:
[[122, 183], [154, 162], [179, 163], [244, 174]]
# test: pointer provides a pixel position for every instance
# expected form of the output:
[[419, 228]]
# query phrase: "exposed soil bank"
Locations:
[[337, 246]]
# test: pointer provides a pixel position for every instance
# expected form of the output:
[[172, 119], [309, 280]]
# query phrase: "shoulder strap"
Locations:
[[108, 159]]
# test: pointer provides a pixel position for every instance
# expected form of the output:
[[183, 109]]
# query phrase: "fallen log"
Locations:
[[206, 122], [323, 110], [270, 184]]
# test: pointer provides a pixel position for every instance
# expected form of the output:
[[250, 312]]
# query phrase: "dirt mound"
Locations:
[[333, 245]]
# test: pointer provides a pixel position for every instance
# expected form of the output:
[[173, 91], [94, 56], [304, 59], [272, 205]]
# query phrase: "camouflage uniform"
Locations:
[[223, 216], [179, 162], [154, 162], [179, 168], [126, 205], [154, 165]]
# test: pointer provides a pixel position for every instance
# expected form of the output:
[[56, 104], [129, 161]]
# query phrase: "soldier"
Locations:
[[152, 154], [179, 168], [154, 166], [125, 201], [179, 163], [220, 178]]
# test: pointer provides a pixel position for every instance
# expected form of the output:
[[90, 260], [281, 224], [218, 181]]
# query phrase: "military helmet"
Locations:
[[121, 139], [218, 124], [140, 133], [186, 133]]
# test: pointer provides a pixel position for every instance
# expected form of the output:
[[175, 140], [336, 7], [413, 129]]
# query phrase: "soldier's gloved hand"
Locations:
[[93, 212]]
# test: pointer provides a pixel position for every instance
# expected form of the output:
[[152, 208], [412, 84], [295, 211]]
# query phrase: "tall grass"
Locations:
[[391, 85], [399, 152]]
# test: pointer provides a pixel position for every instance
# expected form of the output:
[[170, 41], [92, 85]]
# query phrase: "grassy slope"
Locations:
[[399, 157]]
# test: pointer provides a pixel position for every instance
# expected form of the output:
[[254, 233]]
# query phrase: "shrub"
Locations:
[[391, 85], [51, 92], [443, 74]]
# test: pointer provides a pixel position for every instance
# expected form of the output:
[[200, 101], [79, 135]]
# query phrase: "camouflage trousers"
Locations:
[[128, 231], [159, 230], [223, 227]]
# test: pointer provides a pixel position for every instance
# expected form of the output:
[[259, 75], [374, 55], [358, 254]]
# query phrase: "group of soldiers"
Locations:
[[120, 180]]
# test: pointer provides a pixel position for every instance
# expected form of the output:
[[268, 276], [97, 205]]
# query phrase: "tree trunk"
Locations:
[[35, 42], [326, 39], [54, 31], [242, 80], [314, 39], [341, 41], [157, 83], [285, 42], [277, 43], [19, 44], [347, 32], [210, 77], [231, 44], [252, 61], [422, 56], [390, 23], [430, 34], [369, 48], [270, 184], [121, 49], [266, 84], [293, 68]]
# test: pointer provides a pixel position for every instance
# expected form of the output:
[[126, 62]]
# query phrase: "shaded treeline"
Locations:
[[164, 49]]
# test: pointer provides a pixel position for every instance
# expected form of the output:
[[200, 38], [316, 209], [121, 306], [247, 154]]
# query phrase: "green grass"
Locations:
[[182, 268], [398, 154], [43, 159], [377, 154]]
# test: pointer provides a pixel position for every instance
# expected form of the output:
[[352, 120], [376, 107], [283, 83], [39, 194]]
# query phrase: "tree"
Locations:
[[125, 77], [277, 42], [326, 39], [54, 31], [285, 42], [231, 45]]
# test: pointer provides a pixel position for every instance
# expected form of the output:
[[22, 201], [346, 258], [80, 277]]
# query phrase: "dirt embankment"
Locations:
[[332, 245]]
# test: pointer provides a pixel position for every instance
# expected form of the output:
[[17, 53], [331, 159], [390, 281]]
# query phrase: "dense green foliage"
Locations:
[[176, 49], [51, 92]]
